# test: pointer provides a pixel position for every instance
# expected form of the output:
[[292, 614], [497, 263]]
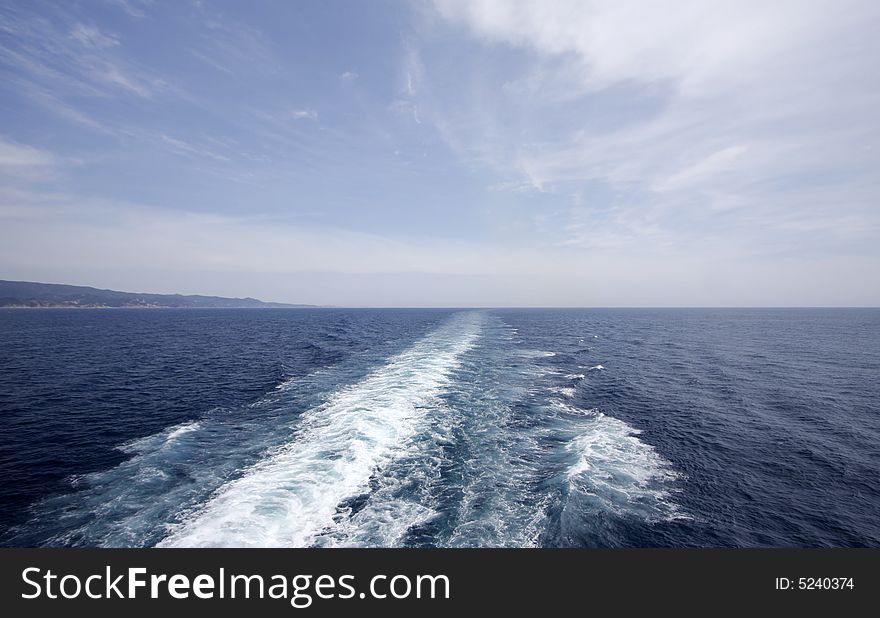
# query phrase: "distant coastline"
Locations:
[[33, 295]]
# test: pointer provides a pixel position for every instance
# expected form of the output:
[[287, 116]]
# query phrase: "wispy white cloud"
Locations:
[[411, 82], [71, 58], [45, 99], [690, 122], [133, 8], [703, 47], [235, 45], [210, 60], [407, 108], [116, 76], [14, 156], [186, 148], [90, 36], [304, 114]]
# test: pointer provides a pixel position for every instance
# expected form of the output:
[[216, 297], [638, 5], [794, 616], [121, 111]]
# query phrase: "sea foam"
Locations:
[[291, 496], [613, 470]]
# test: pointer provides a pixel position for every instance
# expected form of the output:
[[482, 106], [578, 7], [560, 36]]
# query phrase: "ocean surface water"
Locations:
[[452, 428]]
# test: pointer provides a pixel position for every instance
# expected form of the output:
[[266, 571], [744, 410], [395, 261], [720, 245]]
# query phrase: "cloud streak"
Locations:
[[738, 113]]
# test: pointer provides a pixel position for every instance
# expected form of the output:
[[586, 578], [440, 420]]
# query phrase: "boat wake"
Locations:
[[291, 497]]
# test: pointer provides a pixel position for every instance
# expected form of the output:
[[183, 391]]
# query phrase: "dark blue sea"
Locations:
[[332, 427]]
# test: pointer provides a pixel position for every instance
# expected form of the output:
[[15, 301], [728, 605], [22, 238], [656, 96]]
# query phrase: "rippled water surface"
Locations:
[[340, 427]]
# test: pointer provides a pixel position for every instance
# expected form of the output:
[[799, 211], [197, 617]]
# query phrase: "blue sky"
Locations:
[[445, 153]]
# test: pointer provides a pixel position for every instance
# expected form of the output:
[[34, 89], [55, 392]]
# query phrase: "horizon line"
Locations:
[[308, 306]]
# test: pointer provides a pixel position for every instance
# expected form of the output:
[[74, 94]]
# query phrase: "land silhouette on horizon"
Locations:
[[30, 294]]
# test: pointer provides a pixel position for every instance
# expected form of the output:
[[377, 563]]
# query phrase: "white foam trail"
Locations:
[[398, 501], [165, 438], [597, 368], [536, 353], [497, 462], [183, 429], [291, 496], [617, 471]]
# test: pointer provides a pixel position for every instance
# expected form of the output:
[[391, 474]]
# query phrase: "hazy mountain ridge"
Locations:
[[28, 294]]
